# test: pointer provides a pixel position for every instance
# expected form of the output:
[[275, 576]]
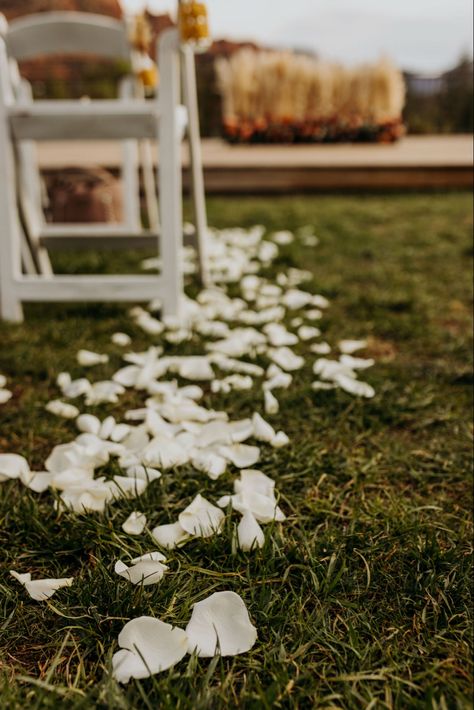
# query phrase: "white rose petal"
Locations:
[[143, 472], [306, 332], [164, 452], [104, 392], [241, 455], [145, 570], [170, 536], [207, 461], [280, 440], [314, 314], [195, 368], [264, 509], [41, 589], [295, 299], [148, 646], [271, 403], [37, 482], [286, 359], [320, 348], [349, 347], [86, 358], [127, 487], [76, 388], [263, 431], [220, 625], [356, 363], [5, 396], [250, 535], [352, 386], [201, 518], [284, 237], [62, 409], [13, 466], [121, 339], [135, 523], [88, 424]]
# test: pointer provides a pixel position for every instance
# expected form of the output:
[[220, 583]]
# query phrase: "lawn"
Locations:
[[362, 597]]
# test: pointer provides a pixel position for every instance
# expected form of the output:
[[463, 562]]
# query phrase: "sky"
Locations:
[[420, 35]]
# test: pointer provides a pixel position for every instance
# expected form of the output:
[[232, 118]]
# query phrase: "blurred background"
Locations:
[[304, 71]]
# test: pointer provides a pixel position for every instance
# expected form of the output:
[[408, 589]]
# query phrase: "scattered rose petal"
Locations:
[[250, 535], [320, 348], [62, 409], [5, 396], [349, 347], [148, 646], [220, 625], [135, 523], [356, 363], [280, 440], [201, 518], [145, 570], [170, 536], [121, 339], [263, 431], [240, 455], [271, 403], [13, 466], [88, 424], [286, 359], [306, 332], [87, 358], [41, 589], [352, 386]]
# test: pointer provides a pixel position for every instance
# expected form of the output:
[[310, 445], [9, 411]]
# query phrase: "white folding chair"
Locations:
[[129, 120], [122, 120], [49, 33]]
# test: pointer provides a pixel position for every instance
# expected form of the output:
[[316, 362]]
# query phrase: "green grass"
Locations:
[[362, 598]]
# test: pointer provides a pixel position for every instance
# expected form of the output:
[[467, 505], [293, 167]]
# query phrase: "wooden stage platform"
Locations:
[[416, 162]]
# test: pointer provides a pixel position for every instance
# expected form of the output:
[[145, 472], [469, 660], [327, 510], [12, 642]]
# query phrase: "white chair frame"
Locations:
[[46, 120], [131, 121]]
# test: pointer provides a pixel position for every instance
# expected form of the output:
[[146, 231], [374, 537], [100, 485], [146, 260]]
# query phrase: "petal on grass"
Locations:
[[201, 518], [271, 404], [250, 535], [148, 646], [349, 347], [135, 523], [86, 358], [220, 625], [352, 386], [170, 536], [62, 409], [145, 570], [262, 430], [41, 589], [241, 455], [121, 339], [5, 396], [13, 466]]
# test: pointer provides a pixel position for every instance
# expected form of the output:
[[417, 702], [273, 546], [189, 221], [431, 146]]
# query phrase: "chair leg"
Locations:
[[195, 155], [170, 178], [10, 234]]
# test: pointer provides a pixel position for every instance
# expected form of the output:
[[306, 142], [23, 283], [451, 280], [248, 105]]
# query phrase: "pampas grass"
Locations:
[[264, 89]]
